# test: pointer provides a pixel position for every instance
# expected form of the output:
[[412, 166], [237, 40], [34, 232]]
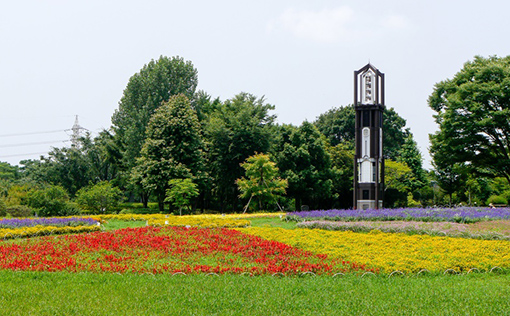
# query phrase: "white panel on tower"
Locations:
[[365, 146], [366, 171]]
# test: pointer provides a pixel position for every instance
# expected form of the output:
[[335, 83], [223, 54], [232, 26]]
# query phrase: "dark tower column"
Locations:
[[368, 156]]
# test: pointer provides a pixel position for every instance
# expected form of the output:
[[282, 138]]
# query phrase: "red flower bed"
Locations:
[[166, 249]]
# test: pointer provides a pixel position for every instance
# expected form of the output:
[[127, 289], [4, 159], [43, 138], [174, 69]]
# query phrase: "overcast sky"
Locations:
[[59, 59]]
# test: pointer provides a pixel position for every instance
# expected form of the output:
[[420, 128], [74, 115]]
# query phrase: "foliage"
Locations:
[[451, 177], [102, 155], [181, 192], [236, 130], [411, 156], [8, 172], [262, 180], [100, 197], [497, 199], [3, 207], [49, 201], [145, 92], [473, 111], [304, 160], [398, 178], [19, 211], [342, 157], [173, 148], [17, 194]]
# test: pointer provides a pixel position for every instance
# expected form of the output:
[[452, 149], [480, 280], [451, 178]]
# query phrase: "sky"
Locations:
[[62, 59]]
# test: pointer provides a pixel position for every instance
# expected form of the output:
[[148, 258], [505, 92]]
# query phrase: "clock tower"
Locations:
[[368, 156]]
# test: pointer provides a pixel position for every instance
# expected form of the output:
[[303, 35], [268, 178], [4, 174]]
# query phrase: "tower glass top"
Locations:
[[367, 89]]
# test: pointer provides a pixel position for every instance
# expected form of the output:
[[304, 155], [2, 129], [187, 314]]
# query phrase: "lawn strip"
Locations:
[[62, 293]]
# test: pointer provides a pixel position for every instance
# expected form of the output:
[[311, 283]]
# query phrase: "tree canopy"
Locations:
[[146, 91], [237, 129], [473, 114], [262, 180], [173, 148]]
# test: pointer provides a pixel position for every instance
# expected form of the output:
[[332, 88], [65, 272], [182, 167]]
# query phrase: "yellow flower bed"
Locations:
[[200, 221], [395, 251], [128, 217], [205, 220], [39, 230], [146, 217]]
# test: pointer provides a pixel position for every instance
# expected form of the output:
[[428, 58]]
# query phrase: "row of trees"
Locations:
[[171, 143]]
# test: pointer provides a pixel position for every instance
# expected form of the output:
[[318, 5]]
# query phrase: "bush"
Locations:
[[19, 211], [138, 211], [3, 207], [497, 199], [101, 197], [72, 209], [50, 201]]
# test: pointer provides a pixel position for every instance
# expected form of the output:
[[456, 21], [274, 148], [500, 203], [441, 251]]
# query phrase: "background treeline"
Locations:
[[164, 129]]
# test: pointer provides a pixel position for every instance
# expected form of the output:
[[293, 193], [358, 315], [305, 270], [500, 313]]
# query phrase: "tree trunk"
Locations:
[[161, 203], [144, 196]]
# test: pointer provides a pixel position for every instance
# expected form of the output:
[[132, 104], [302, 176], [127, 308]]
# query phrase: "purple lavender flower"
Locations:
[[54, 221], [459, 215]]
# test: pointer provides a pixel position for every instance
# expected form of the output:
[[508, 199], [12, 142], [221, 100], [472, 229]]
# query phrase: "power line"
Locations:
[[36, 143], [32, 133], [29, 154]]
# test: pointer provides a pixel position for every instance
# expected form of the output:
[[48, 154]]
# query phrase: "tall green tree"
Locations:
[[173, 148], [473, 114], [262, 181], [451, 177], [304, 160], [342, 157], [103, 156], [146, 91], [236, 130], [411, 156]]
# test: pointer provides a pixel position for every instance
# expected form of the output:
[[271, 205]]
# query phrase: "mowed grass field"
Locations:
[[86, 293], [43, 293]]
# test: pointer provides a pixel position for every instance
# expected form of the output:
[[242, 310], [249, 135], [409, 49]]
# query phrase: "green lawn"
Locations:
[[36, 293], [116, 224], [272, 222]]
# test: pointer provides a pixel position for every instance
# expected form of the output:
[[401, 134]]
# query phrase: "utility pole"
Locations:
[[76, 133]]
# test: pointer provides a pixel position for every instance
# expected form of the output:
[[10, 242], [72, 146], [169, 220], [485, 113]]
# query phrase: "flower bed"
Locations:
[[200, 221], [204, 220], [147, 217], [390, 252], [33, 231], [458, 215], [409, 227], [167, 250], [45, 221]]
